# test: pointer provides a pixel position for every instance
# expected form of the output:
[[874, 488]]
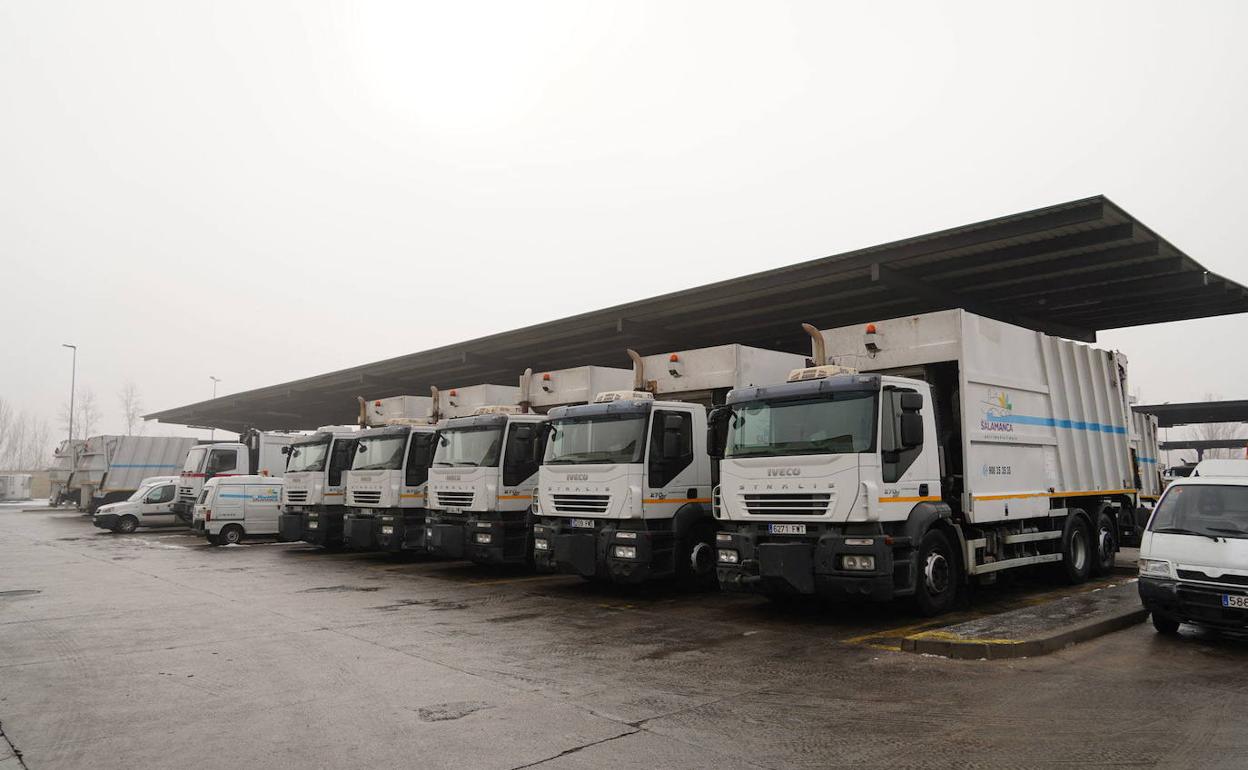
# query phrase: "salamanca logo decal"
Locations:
[[998, 411]]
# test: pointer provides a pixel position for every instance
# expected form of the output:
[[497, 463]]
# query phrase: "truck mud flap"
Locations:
[[446, 540], [577, 553], [290, 527], [791, 563]]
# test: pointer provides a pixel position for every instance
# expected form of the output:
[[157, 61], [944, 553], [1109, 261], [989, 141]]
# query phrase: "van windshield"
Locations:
[[307, 457], [842, 422], [194, 461], [1208, 510], [380, 453]]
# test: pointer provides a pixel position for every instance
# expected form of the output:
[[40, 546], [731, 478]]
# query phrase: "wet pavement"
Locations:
[[156, 650]]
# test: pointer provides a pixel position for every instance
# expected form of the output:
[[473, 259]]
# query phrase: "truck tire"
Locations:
[[1105, 542], [939, 574], [126, 524], [231, 534], [1165, 626], [695, 554], [1078, 552]]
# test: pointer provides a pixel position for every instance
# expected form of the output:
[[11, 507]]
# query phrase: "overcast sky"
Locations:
[[262, 191]]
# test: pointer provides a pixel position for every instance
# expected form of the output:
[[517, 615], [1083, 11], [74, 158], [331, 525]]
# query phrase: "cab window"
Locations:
[[161, 494], [221, 461], [671, 446], [419, 458]]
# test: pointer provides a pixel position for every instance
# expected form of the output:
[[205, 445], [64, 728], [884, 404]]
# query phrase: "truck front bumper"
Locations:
[[1192, 602], [323, 528], [605, 552], [444, 535], [401, 531], [290, 526], [359, 532], [490, 540], [105, 520], [810, 565]]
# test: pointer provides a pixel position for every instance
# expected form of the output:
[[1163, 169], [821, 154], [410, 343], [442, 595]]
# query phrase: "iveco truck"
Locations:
[[624, 489], [496, 523], [920, 454], [315, 478], [255, 453], [387, 485]]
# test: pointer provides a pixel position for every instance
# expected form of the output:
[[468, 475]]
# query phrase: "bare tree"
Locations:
[[1221, 431], [131, 406], [25, 440], [86, 414]]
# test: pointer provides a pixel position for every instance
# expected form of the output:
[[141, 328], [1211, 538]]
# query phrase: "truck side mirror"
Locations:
[[911, 402], [717, 431], [911, 429], [286, 449]]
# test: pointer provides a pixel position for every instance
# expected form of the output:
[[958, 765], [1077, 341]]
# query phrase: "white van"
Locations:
[[1194, 554], [233, 507], [151, 505]]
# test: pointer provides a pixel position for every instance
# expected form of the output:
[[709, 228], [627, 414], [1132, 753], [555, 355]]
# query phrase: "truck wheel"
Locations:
[[1165, 626], [936, 586], [696, 558], [231, 535], [126, 524], [1077, 550], [1105, 537]]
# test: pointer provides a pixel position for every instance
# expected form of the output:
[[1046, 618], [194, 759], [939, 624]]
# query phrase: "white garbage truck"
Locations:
[[624, 488], [315, 477], [256, 453], [110, 468], [64, 460], [1145, 459], [495, 525], [921, 454], [387, 488]]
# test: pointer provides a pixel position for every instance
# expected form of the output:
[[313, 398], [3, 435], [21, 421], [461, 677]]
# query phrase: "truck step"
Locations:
[[1029, 537]]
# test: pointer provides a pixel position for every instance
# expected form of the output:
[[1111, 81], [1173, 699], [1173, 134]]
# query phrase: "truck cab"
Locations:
[[624, 488], [386, 487], [255, 453], [315, 477]]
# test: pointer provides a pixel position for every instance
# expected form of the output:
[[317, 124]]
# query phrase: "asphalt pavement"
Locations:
[[154, 650]]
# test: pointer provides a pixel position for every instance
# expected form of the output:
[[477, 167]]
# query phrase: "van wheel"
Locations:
[[1105, 542], [126, 524], [1078, 552], [939, 575], [1165, 626], [696, 555], [231, 535]]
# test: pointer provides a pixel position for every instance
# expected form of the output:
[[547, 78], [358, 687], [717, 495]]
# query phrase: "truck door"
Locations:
[[157, 506], [909, 472], [670, 469]]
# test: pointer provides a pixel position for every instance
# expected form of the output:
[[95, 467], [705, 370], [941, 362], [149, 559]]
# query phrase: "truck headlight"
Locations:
[[1154, 568], [541, 545], [861, 563], [484, 538], [624, 552], [312, 524], [387, 530], [728, 556]]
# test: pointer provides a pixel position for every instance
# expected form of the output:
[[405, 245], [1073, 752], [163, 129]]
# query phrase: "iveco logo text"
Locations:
[[578, 477], [784, 471]]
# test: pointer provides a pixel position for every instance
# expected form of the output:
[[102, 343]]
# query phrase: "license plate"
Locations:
[[452, 509], [786, 529], [581, 523], [1235, 602]]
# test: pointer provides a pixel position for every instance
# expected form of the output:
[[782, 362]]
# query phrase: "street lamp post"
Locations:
[[73, 381], [213, 433]]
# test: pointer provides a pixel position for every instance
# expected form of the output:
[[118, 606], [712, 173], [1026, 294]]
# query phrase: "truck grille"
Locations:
[[297, 496], [365, 496], [787, 503], [454, 499], [1235, 580], [582, 503]]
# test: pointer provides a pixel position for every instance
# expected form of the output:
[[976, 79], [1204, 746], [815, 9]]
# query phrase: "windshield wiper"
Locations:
[[1228, 530], [1182, 531]]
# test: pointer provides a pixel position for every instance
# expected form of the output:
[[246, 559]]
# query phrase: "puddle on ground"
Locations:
[[19, 592], [339, 589], [443, 712]]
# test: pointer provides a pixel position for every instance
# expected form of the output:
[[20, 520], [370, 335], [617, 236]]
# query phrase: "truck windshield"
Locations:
[[194, 461], [307, 457], [842, 422], [380, 453], [474, 447], [1210, 510], [602, 438]]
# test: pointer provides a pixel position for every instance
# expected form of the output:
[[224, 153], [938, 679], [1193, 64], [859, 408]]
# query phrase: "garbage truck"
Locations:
[[314, 480], [387, 485], [258, 453], [922, 454], [64, 460], [495, 525], [110, 468], [624, 488], [1145, 461]]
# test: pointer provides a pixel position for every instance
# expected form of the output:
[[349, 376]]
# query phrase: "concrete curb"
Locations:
[[947, 645]]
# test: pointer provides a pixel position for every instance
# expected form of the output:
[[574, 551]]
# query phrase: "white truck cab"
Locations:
[[255, 453], [314, 482], [1194, 554], [624, 489], [233, 507], [151, 505]]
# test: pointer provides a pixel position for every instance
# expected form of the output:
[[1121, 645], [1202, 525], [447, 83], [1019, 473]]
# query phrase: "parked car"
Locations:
[[1194, 555], [151, 505], [233, 507]]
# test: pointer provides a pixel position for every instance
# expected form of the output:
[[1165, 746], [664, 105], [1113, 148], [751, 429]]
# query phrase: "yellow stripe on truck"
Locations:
[[409, 495], [515, 497], [1088, 493], [926, 499]]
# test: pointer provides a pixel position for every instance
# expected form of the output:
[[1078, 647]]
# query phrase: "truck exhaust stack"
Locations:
[[639, 371], [820, 350], [526, 381]]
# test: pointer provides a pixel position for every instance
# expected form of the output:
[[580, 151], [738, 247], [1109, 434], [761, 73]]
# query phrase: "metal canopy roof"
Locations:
[[1203, 444], [1070, 270], [1170, 415]]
